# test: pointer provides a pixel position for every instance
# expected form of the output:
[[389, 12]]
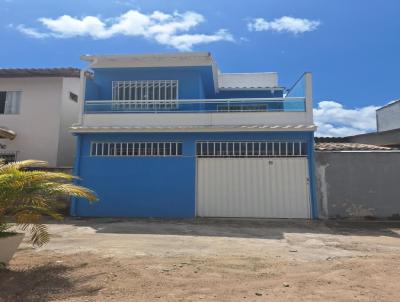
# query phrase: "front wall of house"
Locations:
[[153, 186]]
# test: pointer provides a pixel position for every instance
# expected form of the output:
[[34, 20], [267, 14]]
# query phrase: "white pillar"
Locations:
[[81, 98], [308, 95]]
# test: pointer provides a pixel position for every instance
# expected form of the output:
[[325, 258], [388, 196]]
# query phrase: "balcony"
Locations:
[[294, 108], [286, 104]]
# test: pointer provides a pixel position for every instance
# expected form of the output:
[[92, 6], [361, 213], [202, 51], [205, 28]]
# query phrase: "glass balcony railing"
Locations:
[[285, 104], [296, 91]]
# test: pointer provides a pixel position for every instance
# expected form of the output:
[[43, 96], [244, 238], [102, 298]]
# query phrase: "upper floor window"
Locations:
[[157, 90], [10, 102]]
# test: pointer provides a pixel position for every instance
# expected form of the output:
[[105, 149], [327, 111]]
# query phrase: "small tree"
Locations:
[[27, 195]]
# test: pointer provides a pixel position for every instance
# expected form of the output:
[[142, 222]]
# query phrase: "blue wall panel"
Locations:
[[152, 186], [194, 82], [140, 187]]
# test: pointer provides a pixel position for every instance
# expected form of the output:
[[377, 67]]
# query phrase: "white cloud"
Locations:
[[333, 119], [31, 32], [166, 29], [284, 24]]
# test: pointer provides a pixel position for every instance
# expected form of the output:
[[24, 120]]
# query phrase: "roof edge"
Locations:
[[91, 58], [391, 103], [62, 72]]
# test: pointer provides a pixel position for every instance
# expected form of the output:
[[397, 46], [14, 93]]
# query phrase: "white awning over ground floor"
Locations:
[[228, 128]]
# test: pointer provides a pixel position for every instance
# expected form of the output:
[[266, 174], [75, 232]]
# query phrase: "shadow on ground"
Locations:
[[237, 228], [47, 282]]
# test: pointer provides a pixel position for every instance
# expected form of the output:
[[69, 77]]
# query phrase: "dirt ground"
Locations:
[[208, 260]]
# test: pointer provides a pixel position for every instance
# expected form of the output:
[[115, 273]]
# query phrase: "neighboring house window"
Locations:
[[251, 149], [10, 102], [8, 157], [73, 97], [157, 94], [136, 149]]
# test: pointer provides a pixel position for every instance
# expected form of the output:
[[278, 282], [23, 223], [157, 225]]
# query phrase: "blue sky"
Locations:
[[351, 46]]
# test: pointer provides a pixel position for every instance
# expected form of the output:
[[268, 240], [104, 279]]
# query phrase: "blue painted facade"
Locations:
[[162, 186], [194, 83], [153, 186]]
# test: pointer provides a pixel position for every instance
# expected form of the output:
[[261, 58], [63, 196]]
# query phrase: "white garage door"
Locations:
[[265, 187]]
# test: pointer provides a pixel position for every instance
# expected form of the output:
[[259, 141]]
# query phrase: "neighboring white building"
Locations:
[[37, 107], [388, 117]]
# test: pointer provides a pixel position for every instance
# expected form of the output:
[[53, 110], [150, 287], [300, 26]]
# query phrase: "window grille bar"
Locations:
[[135, 90], [165, 92]]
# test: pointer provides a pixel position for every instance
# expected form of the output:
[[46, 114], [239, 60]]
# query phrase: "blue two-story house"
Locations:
[[169, 135]]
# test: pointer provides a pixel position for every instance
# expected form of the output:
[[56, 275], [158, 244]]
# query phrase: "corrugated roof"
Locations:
[[336, 146], [39, 72]]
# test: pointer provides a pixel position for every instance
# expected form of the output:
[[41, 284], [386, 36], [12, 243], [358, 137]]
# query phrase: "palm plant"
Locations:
[[28, 195]]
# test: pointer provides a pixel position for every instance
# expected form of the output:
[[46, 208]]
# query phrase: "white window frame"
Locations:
[[251, 149], [145, 94]]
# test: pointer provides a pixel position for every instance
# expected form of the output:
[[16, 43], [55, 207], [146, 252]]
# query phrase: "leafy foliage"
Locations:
[[29, 195]]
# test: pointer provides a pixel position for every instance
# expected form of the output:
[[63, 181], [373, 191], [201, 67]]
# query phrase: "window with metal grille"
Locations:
[[146, 94], [136, 149], [7, 157], [251, 149]]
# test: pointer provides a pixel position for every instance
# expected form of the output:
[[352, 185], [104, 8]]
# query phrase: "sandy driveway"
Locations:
[[208, 260]]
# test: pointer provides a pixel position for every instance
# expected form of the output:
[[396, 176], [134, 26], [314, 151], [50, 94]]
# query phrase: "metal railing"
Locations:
[[285, 104]]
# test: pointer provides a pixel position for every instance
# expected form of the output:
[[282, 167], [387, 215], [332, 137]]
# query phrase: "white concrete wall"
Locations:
[[388, 118], [198, 119], [69, 116], [246, 80], [38, 123]]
